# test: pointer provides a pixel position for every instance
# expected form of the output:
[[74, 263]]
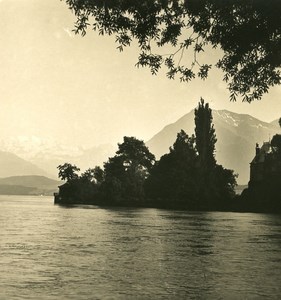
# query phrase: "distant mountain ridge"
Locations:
[[47, 154], [237, 136]]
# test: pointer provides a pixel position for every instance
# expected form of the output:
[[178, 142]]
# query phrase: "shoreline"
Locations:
[[141, 205]]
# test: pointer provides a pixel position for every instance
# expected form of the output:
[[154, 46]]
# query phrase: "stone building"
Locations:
[[265, 165]]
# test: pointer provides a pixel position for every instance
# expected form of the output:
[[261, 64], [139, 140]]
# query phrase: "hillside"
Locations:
[[6, 189], [12, 165], [237, 136], [28, 185], [275, 122]]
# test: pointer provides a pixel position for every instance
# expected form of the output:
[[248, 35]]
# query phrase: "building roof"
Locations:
[[262, 152]]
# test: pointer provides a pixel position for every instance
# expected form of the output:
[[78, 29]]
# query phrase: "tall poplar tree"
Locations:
[[205, 136], [216, 184]]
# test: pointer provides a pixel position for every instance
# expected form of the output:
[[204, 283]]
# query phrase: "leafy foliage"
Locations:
[[98, 174], [189, 176], [135, 155], [221, 187], [173, 178], [124, 174], [205, 136], [216, 184], [248, 32], [88, 175], [68, 172]]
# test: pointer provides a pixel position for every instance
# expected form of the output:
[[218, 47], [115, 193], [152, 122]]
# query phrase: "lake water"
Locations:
[[53, 252]]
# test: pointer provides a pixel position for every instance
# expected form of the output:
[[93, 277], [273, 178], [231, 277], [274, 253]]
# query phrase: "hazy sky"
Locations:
[[82, 90]]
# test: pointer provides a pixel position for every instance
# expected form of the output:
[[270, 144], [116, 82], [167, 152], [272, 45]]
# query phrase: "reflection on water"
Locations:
[[53, 252]]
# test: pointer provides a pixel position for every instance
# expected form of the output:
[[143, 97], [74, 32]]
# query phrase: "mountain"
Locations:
[[84, 159], [31, 181], [12, 165], [28, 185], [47, 153], [237, 135]]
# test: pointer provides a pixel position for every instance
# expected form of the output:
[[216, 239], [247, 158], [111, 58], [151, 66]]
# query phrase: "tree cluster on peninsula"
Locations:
[[186, 177]]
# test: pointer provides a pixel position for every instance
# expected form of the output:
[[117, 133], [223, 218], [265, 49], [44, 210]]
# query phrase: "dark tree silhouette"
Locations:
[[216, 184], [187, 177], [79, 189], [88, 175], [124, 174], [248, 33], [68, 171], [98, 174], [173, 179], [135, 155], [205, 136]]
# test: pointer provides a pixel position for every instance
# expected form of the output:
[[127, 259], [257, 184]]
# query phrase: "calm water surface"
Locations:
[[53, 252]]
